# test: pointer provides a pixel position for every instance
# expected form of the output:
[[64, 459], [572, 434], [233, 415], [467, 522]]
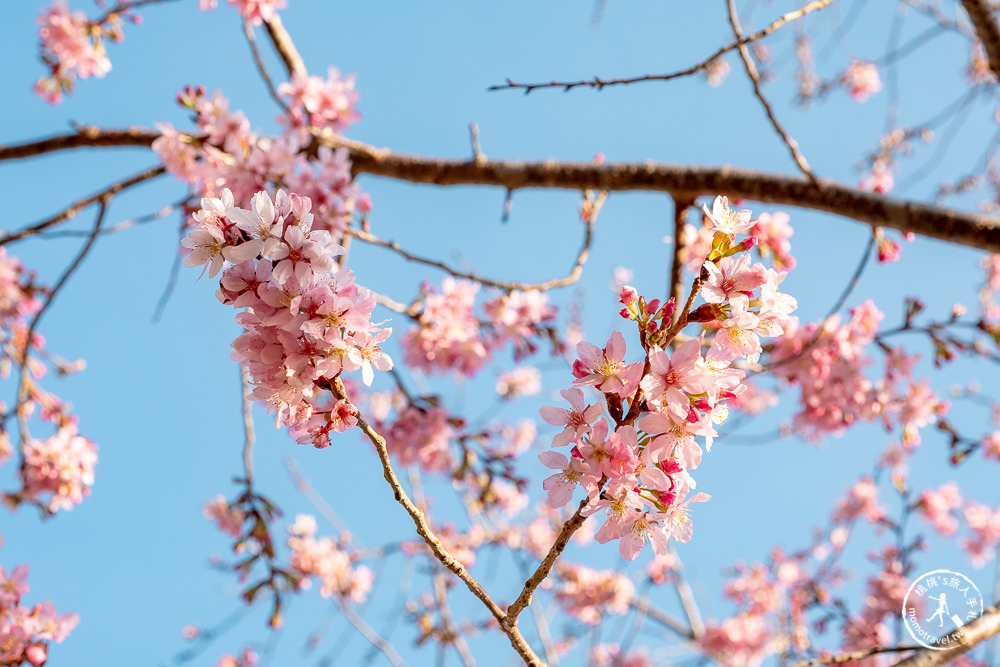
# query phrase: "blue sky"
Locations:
[[162, 400]]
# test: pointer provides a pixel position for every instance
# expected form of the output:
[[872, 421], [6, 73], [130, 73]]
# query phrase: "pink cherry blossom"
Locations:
[[726, 221], [576, 421], [606, 369], [862, 80]]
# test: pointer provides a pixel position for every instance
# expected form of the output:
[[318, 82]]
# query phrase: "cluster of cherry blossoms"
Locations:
[[328, 561], [56, 472], [450, 337], [828, 362], [26, 632], [73, 46], [228, 155], [306, 320], [639, 470]]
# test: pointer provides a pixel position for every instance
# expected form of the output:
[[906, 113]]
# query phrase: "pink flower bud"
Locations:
[[35, 654], [652, 306], [628, 295]]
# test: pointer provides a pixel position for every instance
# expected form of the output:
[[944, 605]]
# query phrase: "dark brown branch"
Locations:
[[983, 18], [974, 633], [969, 229], [676, 286]]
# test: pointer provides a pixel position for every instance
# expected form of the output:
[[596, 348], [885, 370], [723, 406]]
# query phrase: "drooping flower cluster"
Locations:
[[25, 633], [449, 336], [228, 155], [639, 470], [306, 320], [328, 561]]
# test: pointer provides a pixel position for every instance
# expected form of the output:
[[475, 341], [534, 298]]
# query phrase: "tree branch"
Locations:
[[424, 530], [285, 47], [983, 18], [569, 279], [600, 83], [969, 229], [751, 69], [974, 633]]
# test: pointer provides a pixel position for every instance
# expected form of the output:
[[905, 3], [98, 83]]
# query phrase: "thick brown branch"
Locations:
[[969, 229], [676, 287], [285, 47], [983, 18], [974, 633]]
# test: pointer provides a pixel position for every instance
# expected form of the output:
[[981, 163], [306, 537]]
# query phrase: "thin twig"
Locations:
[[118, 226], [642, 605], [261, 68], [318, 501], [452, 635], [477, 152], [369, 633], [600, 83], [22, 385], [78, 206], [686, 596], [751, 69], [249, 436], [575, 272], [433, 542]]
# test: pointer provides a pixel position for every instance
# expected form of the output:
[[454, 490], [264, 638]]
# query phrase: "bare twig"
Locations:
[[261, 68], [22, 385], [969, 229], [78, 206], [369, 633], [642, 606], [751, 69], [477, 151], [433, 542], [600, 83], [569, 279], [249, 437], [686, 596], [319, 502], [453, 636], [984, 22]]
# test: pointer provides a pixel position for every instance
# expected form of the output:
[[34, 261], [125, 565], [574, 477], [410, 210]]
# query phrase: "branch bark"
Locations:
[[983, 18], [974, 633], [969, 229]]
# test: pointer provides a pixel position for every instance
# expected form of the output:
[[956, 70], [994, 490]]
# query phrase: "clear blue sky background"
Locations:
[[162, 400]]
